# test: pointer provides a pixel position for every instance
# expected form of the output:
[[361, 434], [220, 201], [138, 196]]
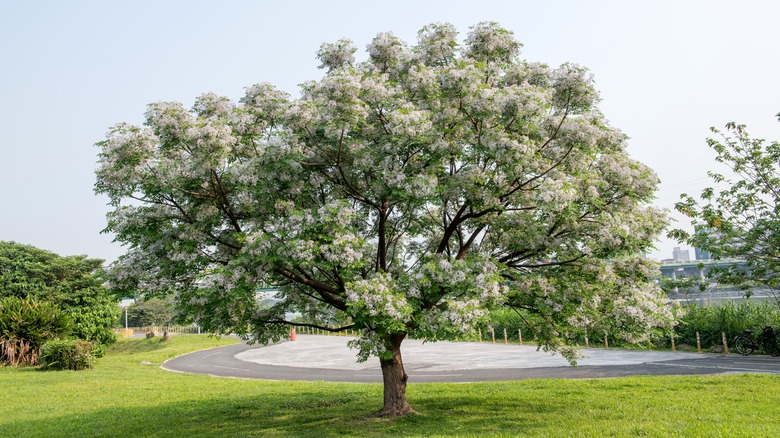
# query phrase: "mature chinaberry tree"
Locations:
[[405, 195], [741, 220]]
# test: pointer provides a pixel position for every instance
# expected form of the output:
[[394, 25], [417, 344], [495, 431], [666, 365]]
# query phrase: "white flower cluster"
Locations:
[[574, 88], [337, 55], [336, 213], [521, 101], [436, 43], [125, 154], [377, 91], [169, 119], [338, 97], [533, 74], [422, 80], [473, 278], [211, 139], [488, 42], [344, 250], [454, 316], [558, 192], [266, 102], [408, 121], [213, 106], [387, 51], [379, 297], [463, 81]]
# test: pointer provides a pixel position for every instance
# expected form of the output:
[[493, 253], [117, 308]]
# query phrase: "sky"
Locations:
[[666, 70]]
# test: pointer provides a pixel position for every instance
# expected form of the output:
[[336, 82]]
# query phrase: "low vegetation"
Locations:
[[127, 394], [730, 318], [66, 355], [710, 322]]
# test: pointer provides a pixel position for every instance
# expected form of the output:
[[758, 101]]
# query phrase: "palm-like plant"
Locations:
[[25, 325]]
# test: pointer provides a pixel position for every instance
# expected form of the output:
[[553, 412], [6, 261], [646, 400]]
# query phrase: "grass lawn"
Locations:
[[125, 397]]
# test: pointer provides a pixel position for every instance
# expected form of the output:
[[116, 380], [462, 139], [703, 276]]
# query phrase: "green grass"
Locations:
[[122, 396]]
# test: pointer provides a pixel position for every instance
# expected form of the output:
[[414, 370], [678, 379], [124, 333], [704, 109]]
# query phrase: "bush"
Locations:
[[25, 325], [66, 355]]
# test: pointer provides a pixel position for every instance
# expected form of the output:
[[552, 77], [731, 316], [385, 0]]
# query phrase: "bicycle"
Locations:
[[767, 340]]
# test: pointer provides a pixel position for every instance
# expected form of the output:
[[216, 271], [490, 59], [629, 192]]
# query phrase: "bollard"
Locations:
[[506, 339], [587, 344], [520, 336], [698, 342], [725, 344], [671, 335], [493, 334], [480, 334], [606, 341], [292, 333]]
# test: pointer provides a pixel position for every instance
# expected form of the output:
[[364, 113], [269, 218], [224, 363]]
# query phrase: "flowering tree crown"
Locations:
[[409, 193]]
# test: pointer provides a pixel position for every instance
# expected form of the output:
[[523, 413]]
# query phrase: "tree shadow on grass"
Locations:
[[302, 414]]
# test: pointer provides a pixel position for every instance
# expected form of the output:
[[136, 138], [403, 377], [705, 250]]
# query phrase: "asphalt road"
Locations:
[[325, 358]]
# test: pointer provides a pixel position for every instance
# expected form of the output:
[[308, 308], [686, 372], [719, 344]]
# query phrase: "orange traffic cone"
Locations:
[[292, 333]]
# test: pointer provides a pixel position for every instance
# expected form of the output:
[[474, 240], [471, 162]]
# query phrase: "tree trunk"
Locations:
[[395, 378]]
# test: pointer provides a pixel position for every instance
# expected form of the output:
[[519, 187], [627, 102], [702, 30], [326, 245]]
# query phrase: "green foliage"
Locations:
[[66, 355], [729, 317], [70, 283], [742, 220], [149, 312], [25, 325]]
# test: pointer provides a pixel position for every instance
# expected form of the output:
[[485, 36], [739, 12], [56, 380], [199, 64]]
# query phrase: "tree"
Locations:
[[70, 283], [741, 220], [149, 312], [405, 195]]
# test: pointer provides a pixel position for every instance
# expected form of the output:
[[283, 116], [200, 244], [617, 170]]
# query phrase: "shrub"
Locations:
[[66, 355], [25, 325]]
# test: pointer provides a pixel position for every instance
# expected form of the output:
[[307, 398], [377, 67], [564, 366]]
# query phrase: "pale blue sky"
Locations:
[[667, 71]]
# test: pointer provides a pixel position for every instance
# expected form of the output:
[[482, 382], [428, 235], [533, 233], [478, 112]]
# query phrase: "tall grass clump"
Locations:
[[730, 318]]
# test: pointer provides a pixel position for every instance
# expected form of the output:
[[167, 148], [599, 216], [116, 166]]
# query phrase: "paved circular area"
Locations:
[[327, 358]]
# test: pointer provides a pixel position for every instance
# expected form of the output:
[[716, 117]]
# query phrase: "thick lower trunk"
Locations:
[[394, 378]]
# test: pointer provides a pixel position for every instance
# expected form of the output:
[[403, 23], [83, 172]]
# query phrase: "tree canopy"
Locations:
[[741, 219], [403, 195], [149, 312], [70, 283]]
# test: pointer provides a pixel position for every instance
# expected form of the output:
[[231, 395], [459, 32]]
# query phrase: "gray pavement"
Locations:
[[327, 358]]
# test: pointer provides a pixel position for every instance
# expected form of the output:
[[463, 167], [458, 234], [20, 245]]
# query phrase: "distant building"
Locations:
[[681, 255]]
